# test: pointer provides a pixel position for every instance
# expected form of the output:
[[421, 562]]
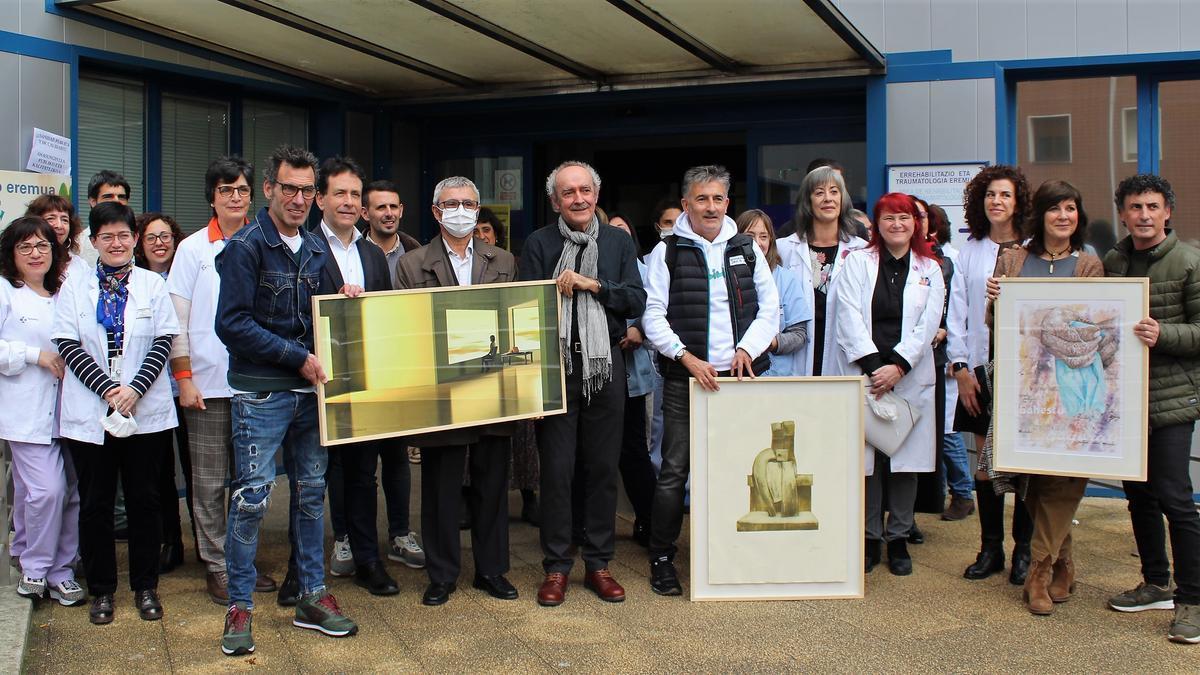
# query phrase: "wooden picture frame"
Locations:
[[1071, 379], [751, 441], [423, 360]]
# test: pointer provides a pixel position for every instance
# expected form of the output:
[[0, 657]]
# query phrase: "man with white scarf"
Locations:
[[712, 310], [595, 267]]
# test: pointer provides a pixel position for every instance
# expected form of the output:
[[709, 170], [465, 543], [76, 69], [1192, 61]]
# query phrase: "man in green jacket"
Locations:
[[1172, 332]]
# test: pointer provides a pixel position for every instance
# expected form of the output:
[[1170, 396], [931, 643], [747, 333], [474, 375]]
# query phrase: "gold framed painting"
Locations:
[[777, 489], [424, 360], [1070, 382]]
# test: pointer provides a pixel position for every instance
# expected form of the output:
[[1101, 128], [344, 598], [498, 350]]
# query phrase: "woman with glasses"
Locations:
[[60, 213], [890, 307], [46, 501], [114, 328], [157, 236]]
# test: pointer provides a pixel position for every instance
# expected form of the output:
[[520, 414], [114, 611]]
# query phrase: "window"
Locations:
[[1050, 138], [1129, 134], [266, 126], [1179, 130], [194, 132], [111, 136]]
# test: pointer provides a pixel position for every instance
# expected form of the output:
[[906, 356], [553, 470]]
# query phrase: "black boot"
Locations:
[[874, 553], [989, 561], [899, 562], [1020, 565]]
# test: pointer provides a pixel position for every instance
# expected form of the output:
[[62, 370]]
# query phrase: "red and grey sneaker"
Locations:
[[320, 611]]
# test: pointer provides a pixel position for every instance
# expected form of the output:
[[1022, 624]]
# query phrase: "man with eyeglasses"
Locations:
[[200, 365], [108, 186], [456, 258], [271, 269]]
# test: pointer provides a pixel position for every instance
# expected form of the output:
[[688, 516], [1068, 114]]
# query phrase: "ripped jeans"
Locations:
[[263, 425]]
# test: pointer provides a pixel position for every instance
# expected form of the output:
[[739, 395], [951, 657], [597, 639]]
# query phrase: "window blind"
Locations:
[[111, 136], [266, 126], [194, 133]]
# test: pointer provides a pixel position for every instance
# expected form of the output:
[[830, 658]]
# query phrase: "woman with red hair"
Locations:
[[890, 298]]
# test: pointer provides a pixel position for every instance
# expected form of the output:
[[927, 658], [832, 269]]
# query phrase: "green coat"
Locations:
[[1175, 304]]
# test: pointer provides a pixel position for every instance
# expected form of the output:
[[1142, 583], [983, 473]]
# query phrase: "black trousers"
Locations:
[[1167, 492], [359, 503], [586, 434], [441, 492], [395, 477], [137, 459], [168, 492], [991, 518], [637, 472]]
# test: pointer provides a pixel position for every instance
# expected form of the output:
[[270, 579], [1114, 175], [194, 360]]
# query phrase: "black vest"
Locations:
[[687, 307]]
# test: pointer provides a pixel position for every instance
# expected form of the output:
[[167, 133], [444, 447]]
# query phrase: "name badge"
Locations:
[[143, 313], [737, 260]]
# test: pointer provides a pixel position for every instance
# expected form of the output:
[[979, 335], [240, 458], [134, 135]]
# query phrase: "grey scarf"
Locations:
[[593, 322]]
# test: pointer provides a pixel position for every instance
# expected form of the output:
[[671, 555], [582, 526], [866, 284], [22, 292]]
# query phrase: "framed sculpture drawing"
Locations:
[[1070, 383], [777, 489], [415, 361]]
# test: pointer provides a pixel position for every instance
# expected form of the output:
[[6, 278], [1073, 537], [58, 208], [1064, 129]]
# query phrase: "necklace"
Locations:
[[1055, 255]]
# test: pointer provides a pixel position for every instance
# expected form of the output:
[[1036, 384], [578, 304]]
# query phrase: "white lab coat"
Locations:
[[29, 392], [793, 251], [148, 313], [968, 332], [924, 292], [951, 254]]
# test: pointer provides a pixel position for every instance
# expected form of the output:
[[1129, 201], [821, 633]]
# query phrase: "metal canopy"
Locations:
[[422, 50]]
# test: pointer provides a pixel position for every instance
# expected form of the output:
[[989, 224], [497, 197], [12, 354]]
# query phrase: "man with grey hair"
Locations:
[[456, 258], [712, 311], [595, 267]]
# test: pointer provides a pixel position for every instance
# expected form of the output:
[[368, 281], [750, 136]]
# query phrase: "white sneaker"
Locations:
[[341, 563], [68, 593], [31, 588], [407, 550]]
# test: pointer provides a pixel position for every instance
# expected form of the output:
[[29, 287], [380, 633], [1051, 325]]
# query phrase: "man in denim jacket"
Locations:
[[270, 270]]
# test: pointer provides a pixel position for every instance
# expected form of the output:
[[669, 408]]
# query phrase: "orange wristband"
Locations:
[[182, 374]]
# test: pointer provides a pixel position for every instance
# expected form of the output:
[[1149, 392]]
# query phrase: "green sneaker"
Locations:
[[1145, 596], [1186, 626], [320, 611], [238, 638]]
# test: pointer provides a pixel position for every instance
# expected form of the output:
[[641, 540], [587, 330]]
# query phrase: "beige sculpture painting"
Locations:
[[780, 498]]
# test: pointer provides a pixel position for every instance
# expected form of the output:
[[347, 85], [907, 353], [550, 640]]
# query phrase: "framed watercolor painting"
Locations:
[[777, 489], [1070, 383], [415, 361]]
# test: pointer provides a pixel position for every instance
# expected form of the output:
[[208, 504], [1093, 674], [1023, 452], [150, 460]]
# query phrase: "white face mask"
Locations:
[[459, 222], [663, 234]]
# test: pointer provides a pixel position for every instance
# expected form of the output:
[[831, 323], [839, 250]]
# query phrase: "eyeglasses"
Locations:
[[165, 237], [227, 191], [289, 190], [451, 204], [108, 238], [26, 248]]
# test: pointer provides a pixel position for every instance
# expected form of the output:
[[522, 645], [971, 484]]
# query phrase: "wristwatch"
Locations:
[[957, 366], [679, 354]]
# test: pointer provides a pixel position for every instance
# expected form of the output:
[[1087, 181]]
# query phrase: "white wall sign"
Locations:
[[940, 184], [50, 153], [508, 187]]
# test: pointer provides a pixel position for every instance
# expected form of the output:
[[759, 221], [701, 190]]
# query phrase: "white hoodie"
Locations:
[[721, 345]]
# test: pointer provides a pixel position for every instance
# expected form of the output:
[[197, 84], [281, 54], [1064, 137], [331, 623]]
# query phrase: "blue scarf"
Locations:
[[114, 291]]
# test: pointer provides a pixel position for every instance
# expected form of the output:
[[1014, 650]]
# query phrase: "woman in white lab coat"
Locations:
[[995, 203], [113, 328], [46, 504], [815, 253], [890, 307]]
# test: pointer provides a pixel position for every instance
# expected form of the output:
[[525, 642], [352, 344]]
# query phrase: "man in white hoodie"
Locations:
[[711, 310]]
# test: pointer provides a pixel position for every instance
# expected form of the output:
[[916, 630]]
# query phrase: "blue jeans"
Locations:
[[265, 424], [958, 465]]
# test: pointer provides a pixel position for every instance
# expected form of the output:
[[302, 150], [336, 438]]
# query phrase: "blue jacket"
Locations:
[[793, 309], [264, 310]]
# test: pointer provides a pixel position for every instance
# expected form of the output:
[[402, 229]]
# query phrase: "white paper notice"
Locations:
[[50, 153]]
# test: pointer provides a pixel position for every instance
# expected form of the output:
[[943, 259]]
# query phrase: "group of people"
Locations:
[[205, 343]]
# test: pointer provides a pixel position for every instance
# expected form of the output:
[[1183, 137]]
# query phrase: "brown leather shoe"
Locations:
[[218, 587], [265, 584], [604, 586], [1037, 598], [553, 590], [1062, 584], [959, 508]]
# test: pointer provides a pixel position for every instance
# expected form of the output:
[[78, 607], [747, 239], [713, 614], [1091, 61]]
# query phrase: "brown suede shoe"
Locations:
[[959, 508], [553, 590], [604, 586], [1062, 585], [1037, 598], [218, 587], [265, 584]]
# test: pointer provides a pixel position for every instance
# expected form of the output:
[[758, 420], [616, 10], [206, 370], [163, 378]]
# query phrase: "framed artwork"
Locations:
[[777, 489], [1070, 384], [416, 361]]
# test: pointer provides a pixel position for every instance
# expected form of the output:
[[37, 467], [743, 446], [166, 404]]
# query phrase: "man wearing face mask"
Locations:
[[456, 258]]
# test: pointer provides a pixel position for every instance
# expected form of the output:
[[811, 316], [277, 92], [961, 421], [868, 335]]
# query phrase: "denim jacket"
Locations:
[[264, 311]]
